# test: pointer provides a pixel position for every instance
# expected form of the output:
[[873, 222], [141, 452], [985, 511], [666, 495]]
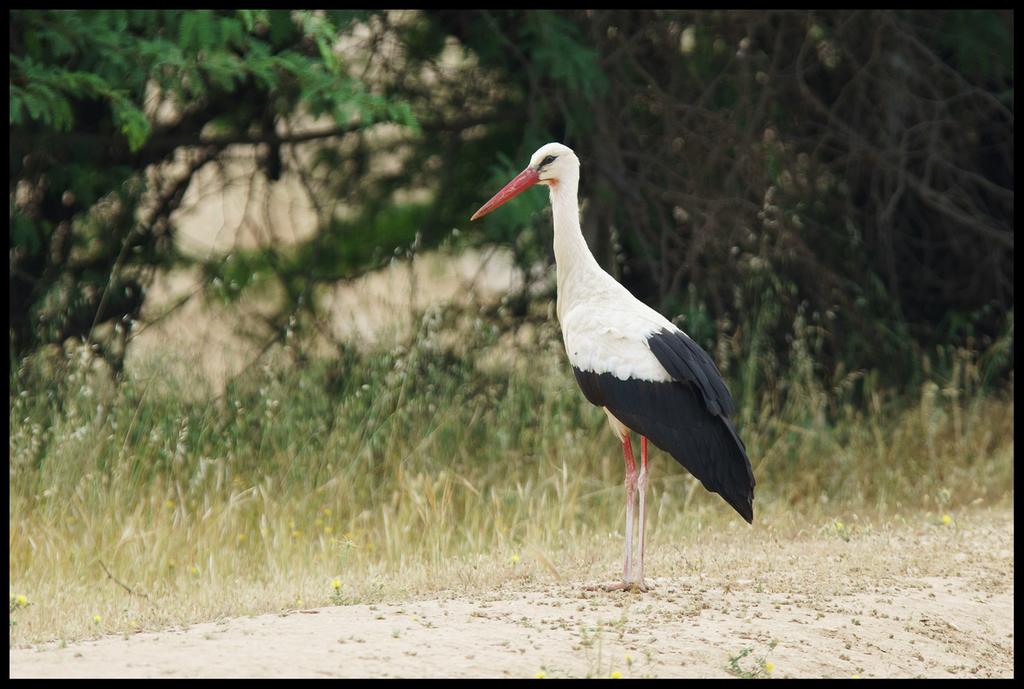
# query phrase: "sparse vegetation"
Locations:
[[761, 667]]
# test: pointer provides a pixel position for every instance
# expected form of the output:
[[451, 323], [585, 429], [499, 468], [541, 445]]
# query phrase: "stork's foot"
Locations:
[[637, 586], [641, 587]]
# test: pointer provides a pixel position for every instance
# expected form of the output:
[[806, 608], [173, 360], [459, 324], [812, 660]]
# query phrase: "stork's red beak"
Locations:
[[523, 181]]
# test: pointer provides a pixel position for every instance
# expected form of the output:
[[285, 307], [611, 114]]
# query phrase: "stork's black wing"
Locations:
[[687, 362]]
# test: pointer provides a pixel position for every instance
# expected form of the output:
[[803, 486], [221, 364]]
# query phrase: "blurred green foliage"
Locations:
[[96, 97], [748, 173]]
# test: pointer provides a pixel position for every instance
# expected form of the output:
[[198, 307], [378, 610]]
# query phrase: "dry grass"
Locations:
[[410, 471]]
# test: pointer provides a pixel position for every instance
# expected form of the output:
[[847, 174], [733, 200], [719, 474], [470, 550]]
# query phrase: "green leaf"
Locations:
[[134, 124], [187, 30], [16, 105]]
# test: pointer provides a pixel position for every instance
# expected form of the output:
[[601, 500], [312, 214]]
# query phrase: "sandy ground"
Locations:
[[911, 600]]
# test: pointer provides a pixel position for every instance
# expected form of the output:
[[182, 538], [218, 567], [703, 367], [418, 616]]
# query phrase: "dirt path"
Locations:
[[920, 600]]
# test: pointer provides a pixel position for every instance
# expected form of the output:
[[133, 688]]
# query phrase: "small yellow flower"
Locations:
[[769, 666], [540, 674], [335, 584], [296, 534], [194, 571], [169, 504], [616, 675], [947, 520], [299, 602], [855, 677], [97, 619], [515, 559], [241, 538], [20, 600], [327, 511], [328, 530]]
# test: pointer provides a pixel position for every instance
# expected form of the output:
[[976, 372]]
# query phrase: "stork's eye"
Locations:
[[548, 160]]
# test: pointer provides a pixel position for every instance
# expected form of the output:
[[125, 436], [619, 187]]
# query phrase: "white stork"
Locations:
[[647, 374]]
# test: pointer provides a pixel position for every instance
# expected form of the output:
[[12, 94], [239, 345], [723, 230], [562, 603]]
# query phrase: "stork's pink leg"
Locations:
[[642, 486], [627, 453]]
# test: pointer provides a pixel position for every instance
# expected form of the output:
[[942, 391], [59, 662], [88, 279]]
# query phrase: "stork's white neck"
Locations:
[[575, 266]]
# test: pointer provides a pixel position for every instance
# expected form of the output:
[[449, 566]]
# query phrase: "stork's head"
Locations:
[[552, 164]]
